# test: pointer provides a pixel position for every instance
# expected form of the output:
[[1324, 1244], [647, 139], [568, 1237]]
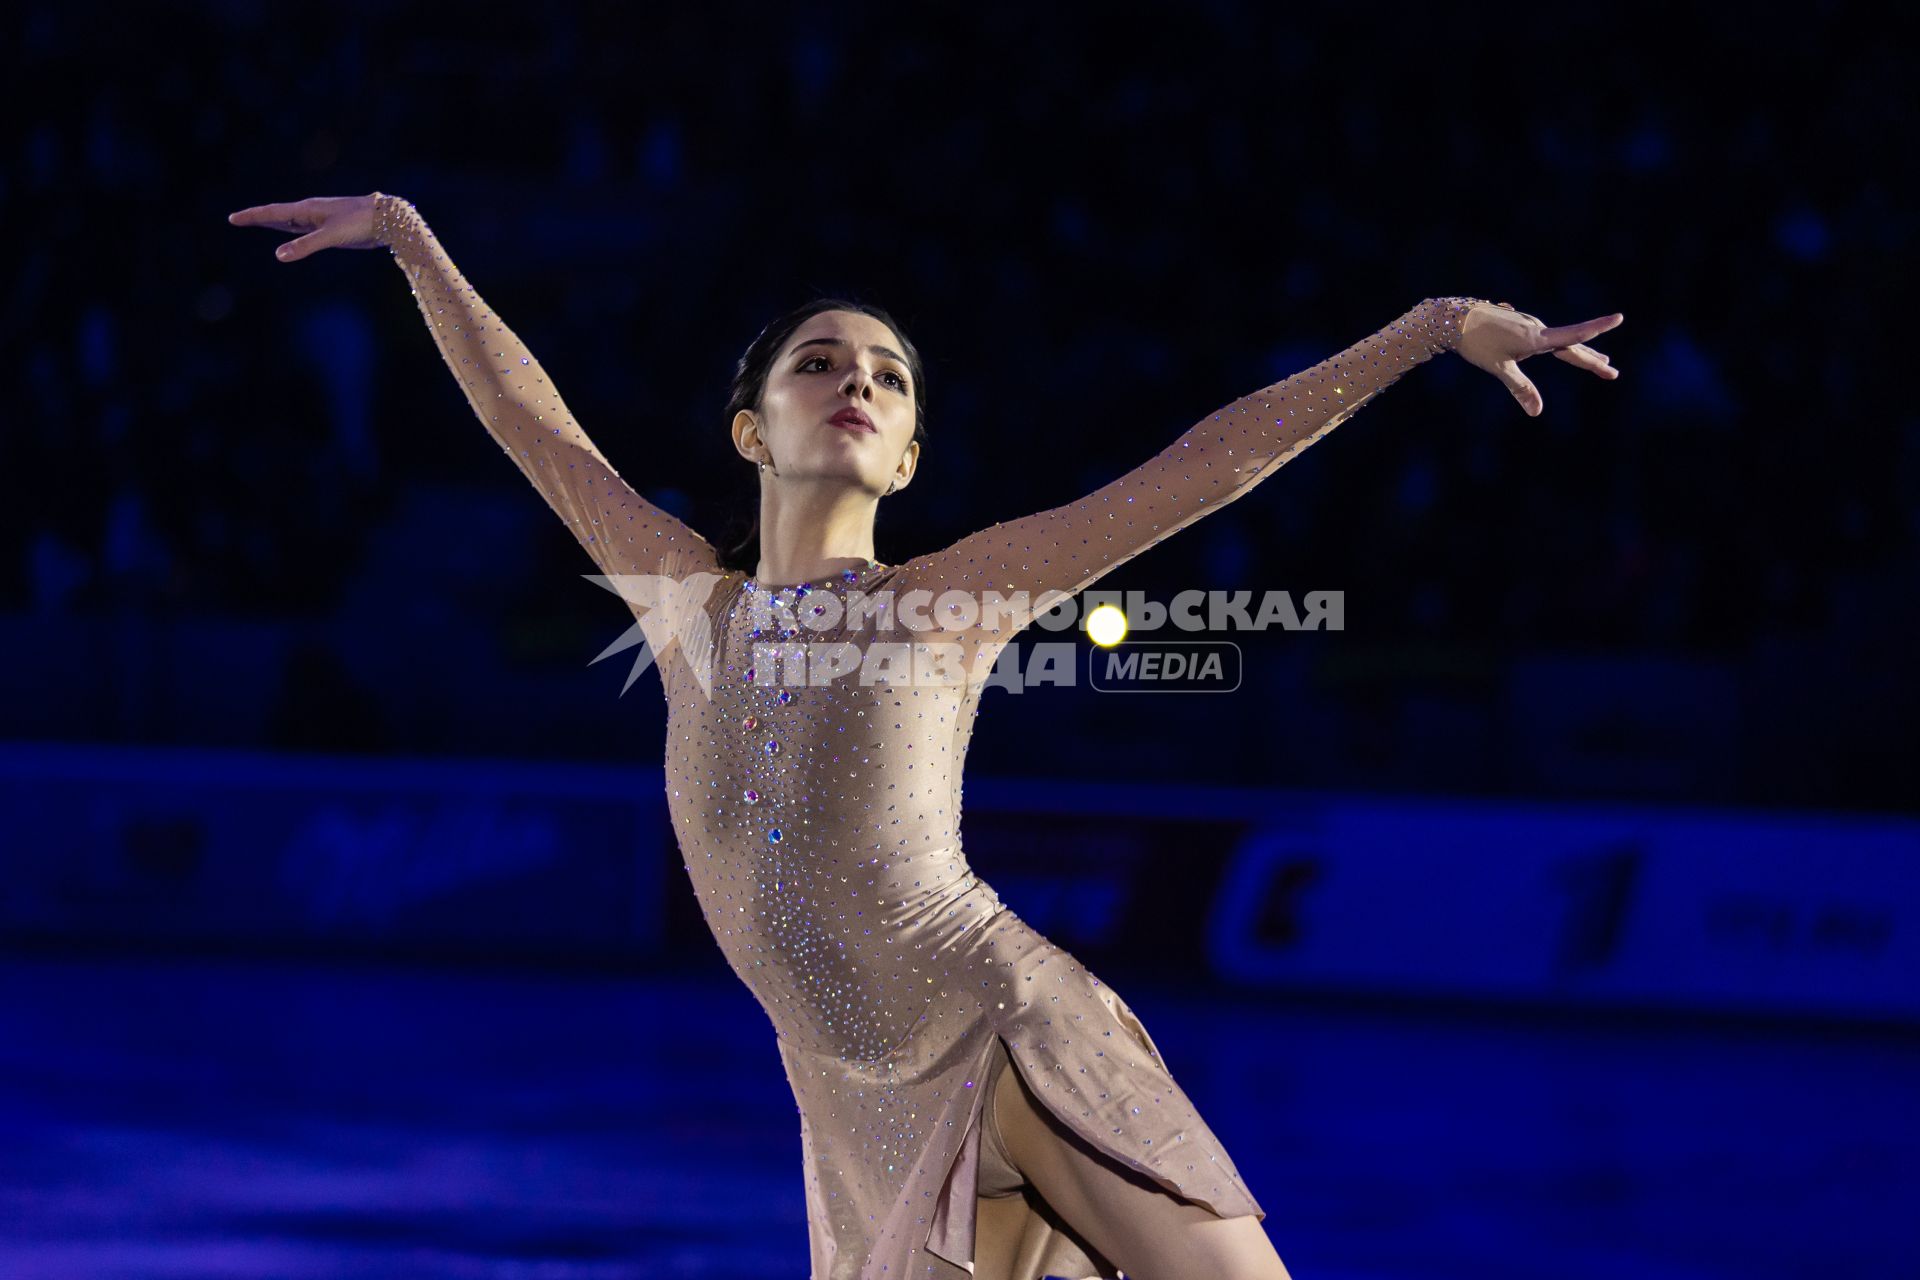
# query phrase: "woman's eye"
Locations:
[[900, 383]]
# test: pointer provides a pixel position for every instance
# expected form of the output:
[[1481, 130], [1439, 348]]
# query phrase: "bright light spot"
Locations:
[[1107, 626]]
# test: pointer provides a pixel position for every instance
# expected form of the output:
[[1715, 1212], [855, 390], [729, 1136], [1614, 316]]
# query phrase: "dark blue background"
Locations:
[[248, 511]]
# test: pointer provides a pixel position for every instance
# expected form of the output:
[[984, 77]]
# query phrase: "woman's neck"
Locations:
[[810, 531]]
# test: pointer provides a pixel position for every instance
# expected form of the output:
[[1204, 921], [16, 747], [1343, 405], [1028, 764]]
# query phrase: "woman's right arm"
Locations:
[[523, 411]]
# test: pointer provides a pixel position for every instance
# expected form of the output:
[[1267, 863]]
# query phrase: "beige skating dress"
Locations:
[[820, 825]]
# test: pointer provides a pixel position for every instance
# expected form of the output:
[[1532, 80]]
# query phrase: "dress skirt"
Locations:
[[892, 1147]]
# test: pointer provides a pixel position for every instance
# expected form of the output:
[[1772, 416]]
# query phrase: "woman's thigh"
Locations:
[[1147, 1231]]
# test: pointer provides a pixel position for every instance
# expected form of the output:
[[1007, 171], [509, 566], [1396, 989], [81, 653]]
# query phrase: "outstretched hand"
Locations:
[[1498, 338], [330, 222]]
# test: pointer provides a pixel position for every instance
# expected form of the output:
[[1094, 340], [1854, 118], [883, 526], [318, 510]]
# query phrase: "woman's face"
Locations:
[[835, 361]]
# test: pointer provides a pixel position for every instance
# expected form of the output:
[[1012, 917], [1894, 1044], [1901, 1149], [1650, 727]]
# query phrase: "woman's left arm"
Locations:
[[1053, 554]]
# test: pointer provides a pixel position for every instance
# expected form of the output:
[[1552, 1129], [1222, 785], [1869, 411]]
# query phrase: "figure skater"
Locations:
[[973, 1101]]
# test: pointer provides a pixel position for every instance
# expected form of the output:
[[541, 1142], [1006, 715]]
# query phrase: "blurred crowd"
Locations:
[[1092, 255]]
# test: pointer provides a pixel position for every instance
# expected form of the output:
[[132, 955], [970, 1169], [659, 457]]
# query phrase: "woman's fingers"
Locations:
[[281, 217], [1569, 344], [1522, 389], [1499, 344], [321, 222], [1567, 335], [1582, 356], [294, 250], [301, 215]]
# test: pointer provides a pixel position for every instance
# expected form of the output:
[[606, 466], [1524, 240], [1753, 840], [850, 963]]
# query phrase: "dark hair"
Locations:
[[750, 384]]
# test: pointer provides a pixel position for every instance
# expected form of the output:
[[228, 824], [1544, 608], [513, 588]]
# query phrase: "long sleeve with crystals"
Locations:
[[1052, 554], [522, 410]]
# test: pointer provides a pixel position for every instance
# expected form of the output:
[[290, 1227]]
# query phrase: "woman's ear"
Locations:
[[746, 437], [909, 463]]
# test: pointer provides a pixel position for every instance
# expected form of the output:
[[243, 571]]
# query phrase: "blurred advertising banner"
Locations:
[[1568, 905], [122, 845]]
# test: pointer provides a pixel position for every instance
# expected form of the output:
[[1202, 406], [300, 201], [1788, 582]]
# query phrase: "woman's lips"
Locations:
[[849, 422]]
